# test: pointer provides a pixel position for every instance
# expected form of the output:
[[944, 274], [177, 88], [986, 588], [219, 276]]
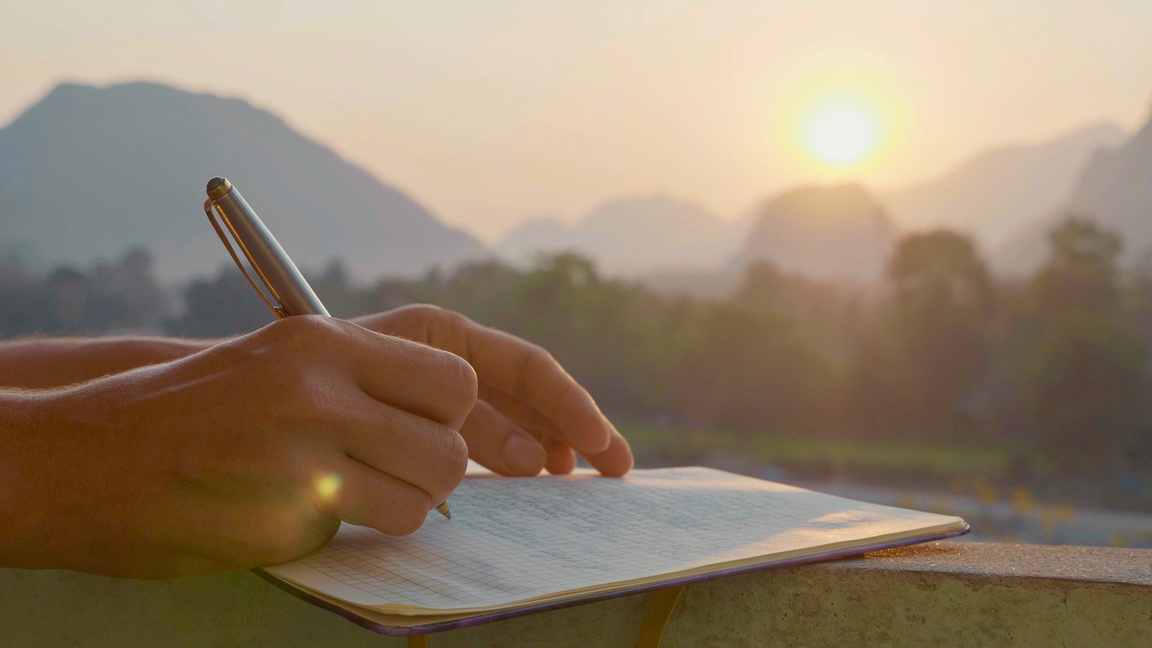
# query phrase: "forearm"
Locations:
[[24, 421], [55, 362]]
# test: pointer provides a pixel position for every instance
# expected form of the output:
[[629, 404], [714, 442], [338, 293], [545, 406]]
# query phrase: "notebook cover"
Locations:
[[489, 617]]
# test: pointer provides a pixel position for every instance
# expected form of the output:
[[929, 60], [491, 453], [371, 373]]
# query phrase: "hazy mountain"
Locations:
[[88, 171], [830, 232], [997, 194], [633, 236], [1114, 189]]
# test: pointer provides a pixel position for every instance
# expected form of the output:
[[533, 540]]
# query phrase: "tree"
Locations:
[[127, 292], [1089, 390], [1080, 274], [219, 307], [936, 325], [821, 315], [1089, 374], [746, 372]]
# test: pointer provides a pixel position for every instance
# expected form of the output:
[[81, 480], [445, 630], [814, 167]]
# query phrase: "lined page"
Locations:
[[515, 540]]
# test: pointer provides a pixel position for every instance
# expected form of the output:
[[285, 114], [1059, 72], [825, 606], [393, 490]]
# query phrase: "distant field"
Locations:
[[1010, 474], [832, 454]]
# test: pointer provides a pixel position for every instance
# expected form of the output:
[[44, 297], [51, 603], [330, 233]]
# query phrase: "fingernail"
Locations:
[[523, 455]]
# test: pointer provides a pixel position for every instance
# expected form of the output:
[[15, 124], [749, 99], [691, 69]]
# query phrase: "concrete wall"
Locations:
[[943, 594]]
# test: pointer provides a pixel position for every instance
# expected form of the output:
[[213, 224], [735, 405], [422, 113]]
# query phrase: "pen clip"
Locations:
[[278, 309]]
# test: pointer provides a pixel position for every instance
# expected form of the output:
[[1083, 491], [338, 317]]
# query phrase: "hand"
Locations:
[[248, 453], [530, 414]]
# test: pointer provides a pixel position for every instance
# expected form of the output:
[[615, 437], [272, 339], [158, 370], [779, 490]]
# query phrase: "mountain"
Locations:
[[87, 172], [633, 236], [997, 194], [827, 232], [1114, 189]]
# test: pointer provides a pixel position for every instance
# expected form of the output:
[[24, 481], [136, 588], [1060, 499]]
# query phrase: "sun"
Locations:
[[838, 124], [840, 132]]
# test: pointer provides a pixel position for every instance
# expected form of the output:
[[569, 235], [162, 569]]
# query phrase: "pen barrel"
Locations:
[[267, 257]]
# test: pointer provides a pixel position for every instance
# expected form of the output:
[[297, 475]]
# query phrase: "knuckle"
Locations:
[[450, 319], [306, 332], [448, 461], [425, 310], [455, 458], [448, 328], [542, 356], [460, 382], [294, 326], [536, 358]]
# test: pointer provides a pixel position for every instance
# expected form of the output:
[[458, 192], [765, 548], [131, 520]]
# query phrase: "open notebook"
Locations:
[[541, 542]]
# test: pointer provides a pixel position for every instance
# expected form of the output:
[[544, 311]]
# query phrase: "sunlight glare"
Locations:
[[840, 133], [842, 122]]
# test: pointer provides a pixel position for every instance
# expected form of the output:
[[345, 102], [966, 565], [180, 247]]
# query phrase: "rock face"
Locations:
[[997, 194], [633, 236], [1114, 189], [828, 232], [88, 172]]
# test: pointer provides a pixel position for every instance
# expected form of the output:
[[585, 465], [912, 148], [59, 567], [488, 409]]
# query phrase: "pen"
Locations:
[[282, 280]]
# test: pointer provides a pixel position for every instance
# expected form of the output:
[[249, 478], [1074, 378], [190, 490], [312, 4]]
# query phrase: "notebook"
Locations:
[[519, 545]]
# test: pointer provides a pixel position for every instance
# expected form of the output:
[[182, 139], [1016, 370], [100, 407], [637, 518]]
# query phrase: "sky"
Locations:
[[489, 113]]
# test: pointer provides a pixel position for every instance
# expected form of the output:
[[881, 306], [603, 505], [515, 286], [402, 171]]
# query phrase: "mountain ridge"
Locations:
[[88, 171], [632, 235], [838, 231], [1114, 190], [1000, 192]]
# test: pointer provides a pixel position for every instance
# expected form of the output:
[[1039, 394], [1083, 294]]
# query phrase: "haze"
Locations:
[[490, 113]]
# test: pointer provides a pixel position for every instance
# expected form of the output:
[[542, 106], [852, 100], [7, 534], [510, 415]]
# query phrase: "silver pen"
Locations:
[[288, 292]]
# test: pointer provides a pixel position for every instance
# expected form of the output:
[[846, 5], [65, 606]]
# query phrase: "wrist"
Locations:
[[141, 352], [43, 364]]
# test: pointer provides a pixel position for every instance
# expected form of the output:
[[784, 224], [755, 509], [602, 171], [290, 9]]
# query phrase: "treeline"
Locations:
[[1056, 363], [113, 297]]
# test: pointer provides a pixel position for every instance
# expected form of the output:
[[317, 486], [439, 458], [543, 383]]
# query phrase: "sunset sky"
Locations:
[[492, 112]]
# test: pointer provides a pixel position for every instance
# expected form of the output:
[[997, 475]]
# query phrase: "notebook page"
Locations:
[[513, 540]]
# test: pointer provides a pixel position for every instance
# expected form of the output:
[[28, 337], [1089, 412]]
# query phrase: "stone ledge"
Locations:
[[942, 594], [1095, 564]]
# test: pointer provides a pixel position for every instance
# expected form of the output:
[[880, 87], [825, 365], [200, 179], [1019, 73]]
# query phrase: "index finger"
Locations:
[[526, 370], [613, 462]]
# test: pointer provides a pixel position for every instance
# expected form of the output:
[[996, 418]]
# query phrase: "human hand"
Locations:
[[248, 453], [530, 413]]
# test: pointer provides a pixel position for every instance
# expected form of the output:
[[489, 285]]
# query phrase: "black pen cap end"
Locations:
[[218, 187]]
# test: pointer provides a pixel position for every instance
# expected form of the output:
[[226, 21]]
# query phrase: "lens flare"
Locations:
[[327, 486]]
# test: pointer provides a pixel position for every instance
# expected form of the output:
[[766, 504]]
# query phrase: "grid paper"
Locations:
[[510, 540]]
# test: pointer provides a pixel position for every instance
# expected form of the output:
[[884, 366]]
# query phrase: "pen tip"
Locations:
[[443, 508]]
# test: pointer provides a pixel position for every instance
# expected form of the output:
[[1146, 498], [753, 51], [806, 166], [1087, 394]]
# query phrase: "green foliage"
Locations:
[[939, 352], [1089, 376], [934, 340], [1089, 384], [219, 307], [746, 372], [1081, 273]]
